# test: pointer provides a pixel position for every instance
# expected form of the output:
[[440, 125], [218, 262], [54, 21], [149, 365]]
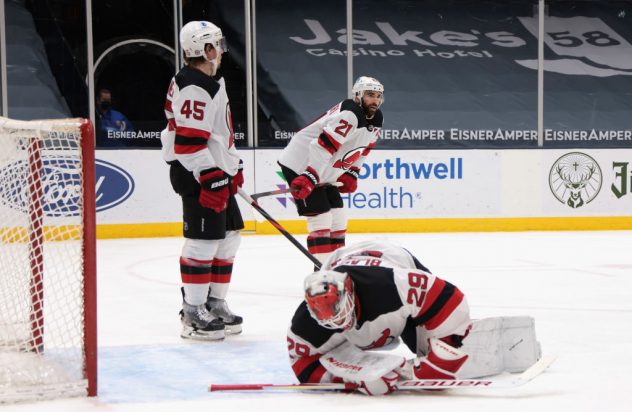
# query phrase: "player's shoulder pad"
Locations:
[[306, 327], [351, 106], [377, 119], [192, 77]]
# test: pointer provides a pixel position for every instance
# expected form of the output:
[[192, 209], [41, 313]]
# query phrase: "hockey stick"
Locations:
[[406, 385], [256, 196], [278, 226]]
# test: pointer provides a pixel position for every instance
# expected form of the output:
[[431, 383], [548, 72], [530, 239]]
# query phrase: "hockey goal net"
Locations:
[[47, 259]]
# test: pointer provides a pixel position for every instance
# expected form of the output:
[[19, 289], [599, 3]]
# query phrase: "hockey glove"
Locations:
[[443, 362], [349, 180], [304, 183], [215, 186], [237, 180], [382, 386]]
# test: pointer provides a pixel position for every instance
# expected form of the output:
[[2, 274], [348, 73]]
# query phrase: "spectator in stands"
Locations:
[[110, 122]]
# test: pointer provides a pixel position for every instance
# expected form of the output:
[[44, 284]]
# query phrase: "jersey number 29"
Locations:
[[418, 283]]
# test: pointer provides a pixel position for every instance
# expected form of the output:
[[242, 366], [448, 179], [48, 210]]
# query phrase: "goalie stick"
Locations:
[[278, 227], [256, 196], [406, 385]]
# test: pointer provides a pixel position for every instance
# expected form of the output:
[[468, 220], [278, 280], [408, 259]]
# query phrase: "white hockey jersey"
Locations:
[[334, 143], [394, 298], [199, 132]]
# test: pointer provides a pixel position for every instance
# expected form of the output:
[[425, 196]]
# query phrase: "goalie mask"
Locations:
[[364, 84], [330, 299], [196, 34]]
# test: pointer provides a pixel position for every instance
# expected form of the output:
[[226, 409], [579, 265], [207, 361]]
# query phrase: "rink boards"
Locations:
[[398, 191]]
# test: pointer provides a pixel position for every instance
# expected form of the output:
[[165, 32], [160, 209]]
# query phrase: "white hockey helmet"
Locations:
[[365, 83], [330, 299], [195, 34]]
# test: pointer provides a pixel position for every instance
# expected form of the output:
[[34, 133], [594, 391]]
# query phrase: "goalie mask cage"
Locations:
[[47, 260]]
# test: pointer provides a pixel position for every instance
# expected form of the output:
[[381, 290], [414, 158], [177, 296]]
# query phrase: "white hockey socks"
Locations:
[[319, 237], [221, 273], [196, 277]]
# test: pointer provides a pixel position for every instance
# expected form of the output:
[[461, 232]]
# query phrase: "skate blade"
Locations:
[[232, 329], [196, 334]]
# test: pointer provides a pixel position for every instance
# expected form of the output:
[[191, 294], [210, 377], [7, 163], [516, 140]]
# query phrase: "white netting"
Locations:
[[41, 260]]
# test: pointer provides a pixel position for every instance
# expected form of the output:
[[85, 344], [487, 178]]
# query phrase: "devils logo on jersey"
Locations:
[[383, 340], [349, 158], [229, 124]]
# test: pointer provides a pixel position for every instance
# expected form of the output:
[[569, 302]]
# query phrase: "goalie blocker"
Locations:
[[372, 294]]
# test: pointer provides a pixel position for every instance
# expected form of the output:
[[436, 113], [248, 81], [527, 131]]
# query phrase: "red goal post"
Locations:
[[48, 335]]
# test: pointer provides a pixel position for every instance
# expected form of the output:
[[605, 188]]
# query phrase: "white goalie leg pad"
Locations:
[[502, 344], [355, 365]]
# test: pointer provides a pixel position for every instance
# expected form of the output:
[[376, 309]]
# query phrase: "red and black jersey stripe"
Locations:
[[190, 140], [328, 143], [308, 369], [441, 300]]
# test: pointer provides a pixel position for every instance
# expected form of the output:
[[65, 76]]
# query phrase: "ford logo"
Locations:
[[114, 185], [61, 185]]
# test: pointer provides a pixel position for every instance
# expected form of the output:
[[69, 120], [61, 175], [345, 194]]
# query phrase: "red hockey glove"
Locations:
[[349, 180], [443, 362], [303, 185], [214, 193], [238, 179], [382, 386]]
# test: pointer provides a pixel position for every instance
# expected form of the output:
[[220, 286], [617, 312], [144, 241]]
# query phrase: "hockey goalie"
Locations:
[[373, 295]]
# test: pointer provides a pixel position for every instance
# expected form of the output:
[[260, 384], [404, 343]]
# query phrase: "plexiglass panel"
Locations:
[[301, 64], [453, 71], [588, 74]]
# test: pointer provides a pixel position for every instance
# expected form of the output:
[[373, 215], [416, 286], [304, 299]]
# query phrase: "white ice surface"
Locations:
[[577, 285]]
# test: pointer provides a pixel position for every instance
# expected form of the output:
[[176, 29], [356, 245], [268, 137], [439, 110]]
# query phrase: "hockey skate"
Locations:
[[219, 308], [199, 324]]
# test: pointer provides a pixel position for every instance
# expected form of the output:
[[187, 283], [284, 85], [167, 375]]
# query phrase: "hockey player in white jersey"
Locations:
[[332, 149], [373, 294], [205, 170]]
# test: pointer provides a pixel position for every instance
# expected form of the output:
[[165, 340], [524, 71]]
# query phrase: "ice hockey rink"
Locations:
[[577, 286]]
